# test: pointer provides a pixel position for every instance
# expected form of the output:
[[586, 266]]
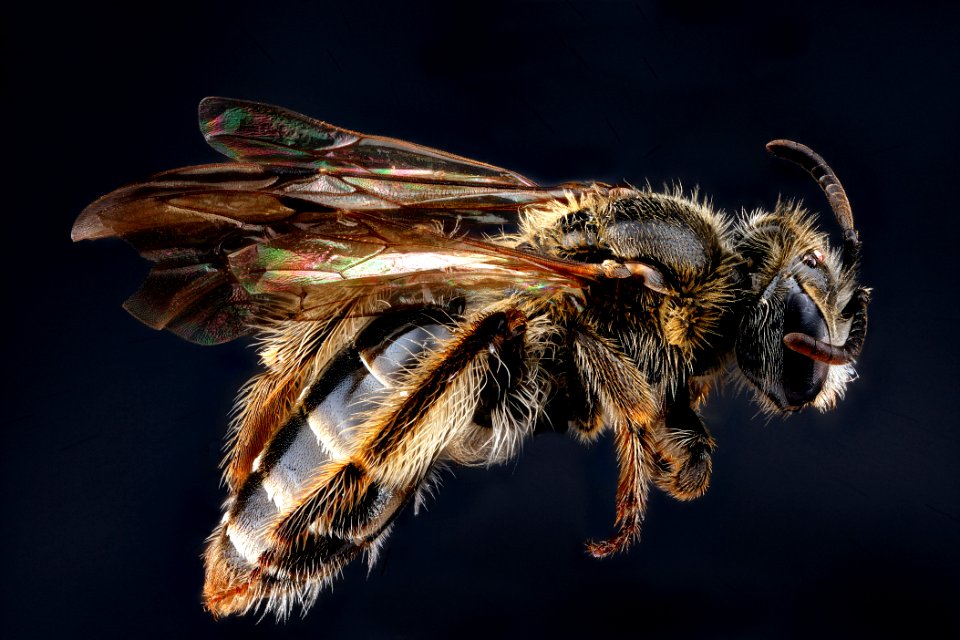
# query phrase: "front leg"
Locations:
[[684, 446], [629, 406]]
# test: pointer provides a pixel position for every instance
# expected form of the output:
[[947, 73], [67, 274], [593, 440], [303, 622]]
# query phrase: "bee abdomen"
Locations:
[[319, 432]]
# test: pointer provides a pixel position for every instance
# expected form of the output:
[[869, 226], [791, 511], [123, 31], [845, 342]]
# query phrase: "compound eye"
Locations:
[[803, 377], [813, 259]]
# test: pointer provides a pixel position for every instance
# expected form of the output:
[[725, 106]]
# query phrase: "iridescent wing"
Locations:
[[352, 170], [318, 212], [254, 132]]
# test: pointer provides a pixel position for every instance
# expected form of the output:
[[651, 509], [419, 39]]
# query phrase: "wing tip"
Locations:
[[209, 109], [211, 106], [88, 225], [197, 302]]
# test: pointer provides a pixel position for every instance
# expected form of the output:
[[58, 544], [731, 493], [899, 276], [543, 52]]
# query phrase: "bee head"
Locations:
[[805, 317]]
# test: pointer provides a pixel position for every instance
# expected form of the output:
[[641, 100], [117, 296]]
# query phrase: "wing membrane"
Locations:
[[311, 214]]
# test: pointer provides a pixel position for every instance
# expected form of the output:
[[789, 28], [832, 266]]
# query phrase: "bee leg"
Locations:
[[402, 440], [629, 405], [271, 395], [505, 372], [684, 450], [633, 457]]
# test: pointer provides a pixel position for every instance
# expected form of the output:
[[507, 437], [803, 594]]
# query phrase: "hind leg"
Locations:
[[348, 504]]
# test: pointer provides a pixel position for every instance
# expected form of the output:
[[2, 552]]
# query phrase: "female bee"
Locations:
[[415, 308]]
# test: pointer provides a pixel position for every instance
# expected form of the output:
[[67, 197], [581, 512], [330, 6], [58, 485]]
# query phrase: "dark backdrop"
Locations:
[[822, 525]]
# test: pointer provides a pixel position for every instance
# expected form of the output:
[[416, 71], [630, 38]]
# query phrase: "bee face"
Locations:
[[804, 317], [793, 279]]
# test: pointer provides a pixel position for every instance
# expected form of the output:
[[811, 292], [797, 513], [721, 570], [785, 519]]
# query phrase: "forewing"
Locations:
[[349, 170], [252, 131]]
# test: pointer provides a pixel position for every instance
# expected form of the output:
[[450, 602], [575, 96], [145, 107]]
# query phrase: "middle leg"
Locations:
[[629, 406]]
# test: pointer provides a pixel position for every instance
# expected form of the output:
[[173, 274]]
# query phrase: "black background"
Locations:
[[822, 525]]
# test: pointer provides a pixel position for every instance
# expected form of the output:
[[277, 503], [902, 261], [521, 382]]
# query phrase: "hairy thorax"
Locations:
[[673, 332]]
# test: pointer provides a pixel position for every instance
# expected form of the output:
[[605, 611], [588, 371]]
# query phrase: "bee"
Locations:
[[416, 309]]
